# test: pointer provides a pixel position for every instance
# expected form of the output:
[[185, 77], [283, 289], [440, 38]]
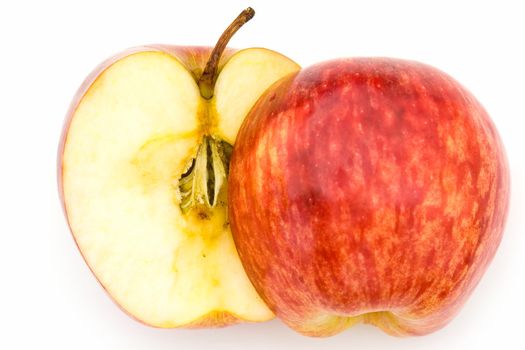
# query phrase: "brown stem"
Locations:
[[209, 75]]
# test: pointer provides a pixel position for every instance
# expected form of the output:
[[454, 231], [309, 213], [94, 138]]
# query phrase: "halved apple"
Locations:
[[143, 168]]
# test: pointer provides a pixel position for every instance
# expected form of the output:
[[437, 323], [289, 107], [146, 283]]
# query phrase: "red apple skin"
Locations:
[[374, 187], [194, 58]]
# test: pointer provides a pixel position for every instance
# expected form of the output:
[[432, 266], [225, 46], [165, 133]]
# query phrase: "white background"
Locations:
[[49, 299]]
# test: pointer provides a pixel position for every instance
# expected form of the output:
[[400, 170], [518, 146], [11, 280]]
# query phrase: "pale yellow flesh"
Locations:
[[130, 139], [252, 71]]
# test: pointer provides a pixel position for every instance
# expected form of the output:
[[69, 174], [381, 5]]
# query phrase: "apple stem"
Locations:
[[209, 75]]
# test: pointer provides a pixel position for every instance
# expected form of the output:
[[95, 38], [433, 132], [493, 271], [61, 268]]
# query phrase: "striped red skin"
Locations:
[[373, 187]]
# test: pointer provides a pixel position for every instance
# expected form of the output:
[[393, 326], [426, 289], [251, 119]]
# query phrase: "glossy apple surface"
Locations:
[[130, 136], [367, 190]]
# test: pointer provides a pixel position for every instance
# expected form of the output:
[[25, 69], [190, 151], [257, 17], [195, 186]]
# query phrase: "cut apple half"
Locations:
[[143, 178]]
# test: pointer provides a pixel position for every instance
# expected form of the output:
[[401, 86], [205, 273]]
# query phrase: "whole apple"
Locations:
[[367, 190]]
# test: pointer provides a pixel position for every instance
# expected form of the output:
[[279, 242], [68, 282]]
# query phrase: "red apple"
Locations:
[[371, 190]]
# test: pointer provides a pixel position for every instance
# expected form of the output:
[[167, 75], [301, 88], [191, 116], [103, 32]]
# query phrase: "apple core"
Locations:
[[206, 174]]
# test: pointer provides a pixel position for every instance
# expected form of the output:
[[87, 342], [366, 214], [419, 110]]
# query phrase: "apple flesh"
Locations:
[[133, 131], [367, 190]]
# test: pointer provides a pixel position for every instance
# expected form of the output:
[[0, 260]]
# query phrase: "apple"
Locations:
[[367, 190], [142, 177]]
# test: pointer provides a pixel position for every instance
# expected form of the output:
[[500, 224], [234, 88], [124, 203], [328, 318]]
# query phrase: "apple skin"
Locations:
[[367, 190], [194, 58]]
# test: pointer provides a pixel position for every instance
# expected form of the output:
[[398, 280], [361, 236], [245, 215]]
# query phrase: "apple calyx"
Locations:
[[201, 183], [209, 75]]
